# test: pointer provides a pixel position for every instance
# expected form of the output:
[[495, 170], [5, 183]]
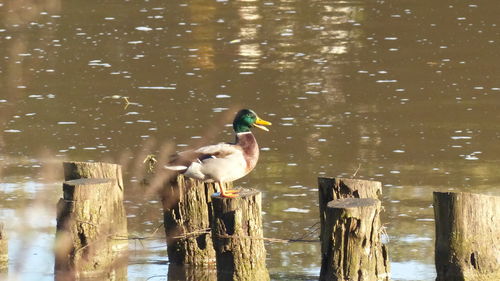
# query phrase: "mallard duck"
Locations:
[[224, 162]]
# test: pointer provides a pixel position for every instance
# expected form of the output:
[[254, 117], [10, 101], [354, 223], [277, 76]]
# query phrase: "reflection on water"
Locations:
[[401, 92]]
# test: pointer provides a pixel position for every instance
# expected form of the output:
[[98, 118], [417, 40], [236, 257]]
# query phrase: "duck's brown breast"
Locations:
[[248, 144]]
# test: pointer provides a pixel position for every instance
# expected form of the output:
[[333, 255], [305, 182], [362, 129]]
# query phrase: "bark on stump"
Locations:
[[4, 249], [238, 237], [187, 208], [467, 236], [351, 245], [91, 222]]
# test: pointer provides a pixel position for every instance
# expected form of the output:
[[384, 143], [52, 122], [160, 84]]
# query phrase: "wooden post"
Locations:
[[4, 249], [91, 223], [338, 188], [467, 236], [187, 207], [238, 237], [351, 246], [100, 170]]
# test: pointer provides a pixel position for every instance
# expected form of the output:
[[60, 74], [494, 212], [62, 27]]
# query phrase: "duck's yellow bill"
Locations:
[[259, 122]]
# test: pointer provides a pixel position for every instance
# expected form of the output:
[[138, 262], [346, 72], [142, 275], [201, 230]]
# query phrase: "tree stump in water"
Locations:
[[351, 245], [91, 223], [187, 207], [467, 236], [339, 188], [238, 237], [4, 249], [99, 170]]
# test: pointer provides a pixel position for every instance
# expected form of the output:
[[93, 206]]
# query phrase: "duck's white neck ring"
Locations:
[[243, 133]]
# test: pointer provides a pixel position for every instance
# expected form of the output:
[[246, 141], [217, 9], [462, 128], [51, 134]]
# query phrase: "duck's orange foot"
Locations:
[[232, 193]]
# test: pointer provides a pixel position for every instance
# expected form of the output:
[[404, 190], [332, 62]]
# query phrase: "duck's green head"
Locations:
[[246, 119]]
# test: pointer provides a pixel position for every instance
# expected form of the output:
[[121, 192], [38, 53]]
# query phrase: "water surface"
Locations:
[[406, 91]]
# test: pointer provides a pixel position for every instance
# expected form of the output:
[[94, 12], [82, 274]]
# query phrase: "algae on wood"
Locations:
[[467, 236], [351, 246], [238, 237]]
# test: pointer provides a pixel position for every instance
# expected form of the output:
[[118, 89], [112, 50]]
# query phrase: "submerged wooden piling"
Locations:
[[351, 245], [4, 249], [467, 236], [238, 237], [187, 208], [91, 223]]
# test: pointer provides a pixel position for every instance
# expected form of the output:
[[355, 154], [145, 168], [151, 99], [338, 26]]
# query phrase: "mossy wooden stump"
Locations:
[[4, 249], [91, 223], [238, 237], [187, 207], [467, 236], [351, 246]]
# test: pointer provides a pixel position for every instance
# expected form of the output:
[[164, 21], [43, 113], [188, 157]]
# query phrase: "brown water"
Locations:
[[407, 91]]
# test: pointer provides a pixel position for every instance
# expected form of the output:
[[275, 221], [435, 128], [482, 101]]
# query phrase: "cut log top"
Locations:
[[352, 203], [88, 188], [97, 170], [83, 182]]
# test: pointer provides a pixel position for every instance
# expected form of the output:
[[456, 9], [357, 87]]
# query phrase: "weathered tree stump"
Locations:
[[339, 188], [4, 249], [238, 237], [467, 236], [99, 170], [187, 207], [351, 245], [91, 224]]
